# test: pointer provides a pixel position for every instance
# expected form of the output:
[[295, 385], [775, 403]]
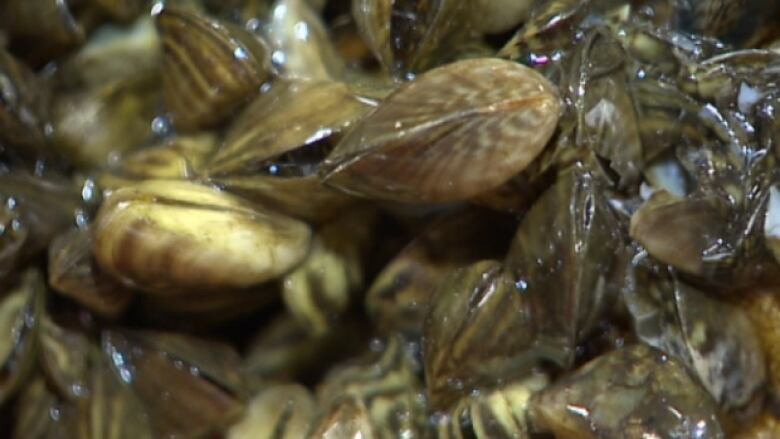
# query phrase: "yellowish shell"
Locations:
[[178, 237]]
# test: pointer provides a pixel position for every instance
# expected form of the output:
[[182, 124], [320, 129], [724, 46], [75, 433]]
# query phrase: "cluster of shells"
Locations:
[[251, 219]]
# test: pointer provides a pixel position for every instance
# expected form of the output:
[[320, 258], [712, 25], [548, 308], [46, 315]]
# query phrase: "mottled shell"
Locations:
[[634, 392], [452, 133], [176, 236]]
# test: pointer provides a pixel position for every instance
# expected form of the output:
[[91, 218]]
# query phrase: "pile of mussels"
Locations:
[[250, 219]]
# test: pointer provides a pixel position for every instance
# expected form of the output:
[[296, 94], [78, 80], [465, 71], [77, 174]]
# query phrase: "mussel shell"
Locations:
[[501, 413], [121, 10], [402, 292], [24, 123], [48, 22], [177, 237], [186, 386], [715, 339], [478, 332], [34, 210], [320, 290], [305, 198], [290, 115], [176, 158], [632, 392], [202, 312], [210, 68], [41, 414], [95, 126], [21, 311], [406, 35], [382, 387], [564, 256], [496, 16], [74, 273], [285, 350], [452, 133], [67, 358], [350, 418], [113, 53], [300, 42]]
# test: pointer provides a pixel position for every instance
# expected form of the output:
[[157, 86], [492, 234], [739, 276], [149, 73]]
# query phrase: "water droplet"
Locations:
[[538, 60], [253, 25], [376, 345], [578, 410], [278, 57], [78, 390], [240, 54], [161, 125], [82, 219], [88, 190], [126, 375], [157, 7], [455, 383], [301, 30]]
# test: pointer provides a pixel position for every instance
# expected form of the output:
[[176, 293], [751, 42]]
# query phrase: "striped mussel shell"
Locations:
[[23, 117], [210, 68], [170, 236]]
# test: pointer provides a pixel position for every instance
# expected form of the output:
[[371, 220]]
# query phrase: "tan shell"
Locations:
[[452, 133], [176, 236]]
